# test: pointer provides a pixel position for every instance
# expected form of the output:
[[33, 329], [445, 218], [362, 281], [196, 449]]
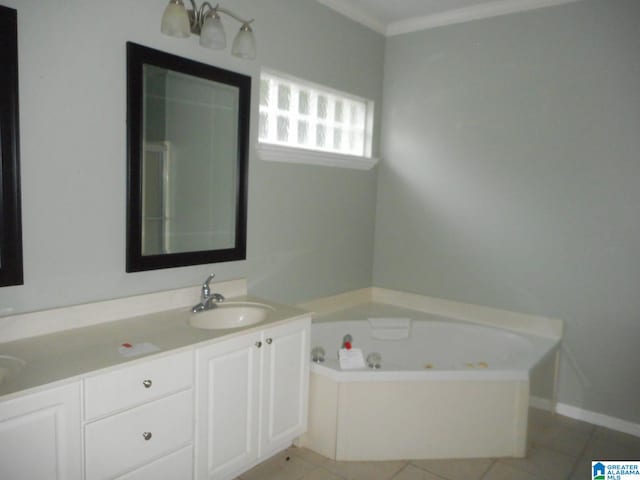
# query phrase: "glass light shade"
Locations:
[[212, 33], [244, 45], [175, 20]]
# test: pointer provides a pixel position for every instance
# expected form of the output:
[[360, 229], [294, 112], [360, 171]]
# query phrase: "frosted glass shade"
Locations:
[[212, 34], [244, 45], [175, 20]]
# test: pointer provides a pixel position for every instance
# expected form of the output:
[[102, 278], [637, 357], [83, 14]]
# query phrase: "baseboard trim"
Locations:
[[594, 418]]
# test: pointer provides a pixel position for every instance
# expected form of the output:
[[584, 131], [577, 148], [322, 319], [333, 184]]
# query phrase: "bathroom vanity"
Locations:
[[207, 404]]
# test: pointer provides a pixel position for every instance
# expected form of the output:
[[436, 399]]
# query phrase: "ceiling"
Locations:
[[394, 17]]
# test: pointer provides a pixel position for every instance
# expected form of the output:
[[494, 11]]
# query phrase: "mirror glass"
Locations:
[[188, 141], [10, 219]]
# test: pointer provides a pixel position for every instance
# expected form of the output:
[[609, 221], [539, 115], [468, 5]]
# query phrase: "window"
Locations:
[[302, 121]]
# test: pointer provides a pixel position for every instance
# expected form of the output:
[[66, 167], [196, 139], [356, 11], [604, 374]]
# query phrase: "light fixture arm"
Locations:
[[233, 15], [197, 15]]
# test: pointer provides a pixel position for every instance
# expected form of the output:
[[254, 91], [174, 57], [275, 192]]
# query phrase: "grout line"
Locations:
[[574, 468], [409, 462], [400, 471], [486, 472]]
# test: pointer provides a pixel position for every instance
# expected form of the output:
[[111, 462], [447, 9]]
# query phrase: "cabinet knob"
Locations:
[[258, 344], [269, 340], [147, 435], [147, 383]]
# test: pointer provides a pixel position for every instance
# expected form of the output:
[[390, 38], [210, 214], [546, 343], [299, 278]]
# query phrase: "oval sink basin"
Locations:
[[10, 367], [231, 315]]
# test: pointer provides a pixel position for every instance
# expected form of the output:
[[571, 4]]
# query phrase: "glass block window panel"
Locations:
[[337, 138], [338, 111], [303, 132], [321, 136], [264, 126], [304, 102], [264, 92], [323, 105], [297, 113], [284, 97], [283, 129]]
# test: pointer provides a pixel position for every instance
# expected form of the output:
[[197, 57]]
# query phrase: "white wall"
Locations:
[[512, 161], [310, 230]]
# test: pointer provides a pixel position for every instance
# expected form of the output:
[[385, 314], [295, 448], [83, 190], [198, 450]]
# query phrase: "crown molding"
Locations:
[[490, 9], [487, 10], [356, 15]]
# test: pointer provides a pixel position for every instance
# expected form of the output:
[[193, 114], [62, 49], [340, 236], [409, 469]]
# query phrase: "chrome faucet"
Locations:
[[208, 300]]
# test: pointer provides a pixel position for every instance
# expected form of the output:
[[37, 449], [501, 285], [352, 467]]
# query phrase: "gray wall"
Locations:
[[511, 179], [310, 228]]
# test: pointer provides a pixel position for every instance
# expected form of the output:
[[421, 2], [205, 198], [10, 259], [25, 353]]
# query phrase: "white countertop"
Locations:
[[65, 355]]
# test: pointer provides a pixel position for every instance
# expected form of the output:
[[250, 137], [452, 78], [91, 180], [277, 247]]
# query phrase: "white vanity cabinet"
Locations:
[[252, 393], [40, 435], [139, 421]]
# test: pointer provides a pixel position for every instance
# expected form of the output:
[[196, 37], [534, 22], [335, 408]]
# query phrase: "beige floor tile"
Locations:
[[598, 449], [500, 471], [308, 455], [607, 435], [582, 469], [321, 474], [545, 429], [283, 466], [471, 469], [563, 440], [411, 472], [543, 463], [364, 470]]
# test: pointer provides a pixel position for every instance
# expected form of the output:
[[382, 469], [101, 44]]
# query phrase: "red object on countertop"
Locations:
[[347, 345]]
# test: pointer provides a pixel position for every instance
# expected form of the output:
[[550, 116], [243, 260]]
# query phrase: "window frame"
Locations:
[[293, 153]]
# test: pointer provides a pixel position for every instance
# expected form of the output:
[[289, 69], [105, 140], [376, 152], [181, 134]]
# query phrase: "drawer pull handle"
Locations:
[[258, 344], [269, 340], [147, 383], [147, 435]]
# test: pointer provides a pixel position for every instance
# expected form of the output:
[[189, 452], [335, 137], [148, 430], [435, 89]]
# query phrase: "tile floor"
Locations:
[[560, 448]]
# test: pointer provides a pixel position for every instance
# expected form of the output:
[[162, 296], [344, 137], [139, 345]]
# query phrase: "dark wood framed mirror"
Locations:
[[188, 141], [10, 217]]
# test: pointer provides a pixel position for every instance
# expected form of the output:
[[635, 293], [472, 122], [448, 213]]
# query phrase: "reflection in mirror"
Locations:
[[188, 139], [10, 219]]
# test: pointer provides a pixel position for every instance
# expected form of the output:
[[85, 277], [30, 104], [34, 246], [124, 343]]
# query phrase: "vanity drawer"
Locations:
[[175, 466], [126, 441], [137, 384]]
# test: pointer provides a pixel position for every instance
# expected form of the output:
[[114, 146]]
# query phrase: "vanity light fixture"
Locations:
[[204, 21]]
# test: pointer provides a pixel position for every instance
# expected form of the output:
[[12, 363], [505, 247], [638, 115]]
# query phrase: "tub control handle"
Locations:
[[147, 436], [258, 344], [269, 341], [147, 383]]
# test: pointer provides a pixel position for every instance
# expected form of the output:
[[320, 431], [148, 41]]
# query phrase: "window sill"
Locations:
[[278, 153]]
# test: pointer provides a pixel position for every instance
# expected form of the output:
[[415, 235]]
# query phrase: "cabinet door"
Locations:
[[40, 435], [227, 407], [286, 385]]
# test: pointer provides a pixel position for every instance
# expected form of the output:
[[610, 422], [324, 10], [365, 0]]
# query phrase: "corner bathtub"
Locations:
[[445, 389]]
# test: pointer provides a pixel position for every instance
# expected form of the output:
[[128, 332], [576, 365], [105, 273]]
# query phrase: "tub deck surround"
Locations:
[[518, 322], [63, 356], [452, 399]]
